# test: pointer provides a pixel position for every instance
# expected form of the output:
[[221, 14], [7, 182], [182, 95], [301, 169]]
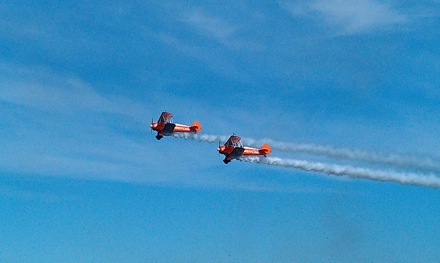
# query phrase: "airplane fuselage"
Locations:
[[227, 150], [166, 129], [231, 152]]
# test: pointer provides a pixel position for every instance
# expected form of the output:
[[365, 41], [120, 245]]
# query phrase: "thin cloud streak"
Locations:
[[68, 95], [349, 17], [220, 29], [209, 25]]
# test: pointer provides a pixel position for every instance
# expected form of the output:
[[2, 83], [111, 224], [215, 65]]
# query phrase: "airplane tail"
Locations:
[[196, 125], [265, 149]]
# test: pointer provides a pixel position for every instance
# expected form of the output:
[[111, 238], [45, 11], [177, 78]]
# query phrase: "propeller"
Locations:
[[218, 148], [151, 128]]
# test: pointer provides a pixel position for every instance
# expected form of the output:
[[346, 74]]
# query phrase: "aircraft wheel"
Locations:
[[158, 137]]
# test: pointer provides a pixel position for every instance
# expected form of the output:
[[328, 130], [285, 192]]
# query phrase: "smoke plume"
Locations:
[[424, 164], [350, 171], [427, 164], [201, 137]]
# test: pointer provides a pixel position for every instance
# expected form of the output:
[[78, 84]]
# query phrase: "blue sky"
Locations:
[[83, 180]]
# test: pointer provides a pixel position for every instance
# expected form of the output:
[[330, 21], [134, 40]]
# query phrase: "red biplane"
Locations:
[[233, 149], [165, 126]]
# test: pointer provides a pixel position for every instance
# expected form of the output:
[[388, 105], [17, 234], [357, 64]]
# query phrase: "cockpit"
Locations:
[[234, 141], [165, 117]]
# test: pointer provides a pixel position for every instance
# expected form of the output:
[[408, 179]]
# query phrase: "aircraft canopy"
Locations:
[[234, 141]]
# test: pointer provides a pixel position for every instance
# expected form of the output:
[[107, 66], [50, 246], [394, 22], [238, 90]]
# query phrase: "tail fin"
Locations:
[[196, 125], [265, 149]]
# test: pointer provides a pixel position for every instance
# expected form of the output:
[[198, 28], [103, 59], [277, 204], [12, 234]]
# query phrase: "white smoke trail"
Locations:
[[350, 171], [426, 164], [201, 137], [403, 161]]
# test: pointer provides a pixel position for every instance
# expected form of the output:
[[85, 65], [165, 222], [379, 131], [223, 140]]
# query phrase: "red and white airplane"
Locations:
[[233, 149], [165, 126]]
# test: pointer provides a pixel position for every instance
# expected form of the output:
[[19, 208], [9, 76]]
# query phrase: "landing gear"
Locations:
[[226, 161], [159, 135]]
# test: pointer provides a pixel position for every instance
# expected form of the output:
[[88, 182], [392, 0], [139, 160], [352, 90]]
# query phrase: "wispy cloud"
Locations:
[[209, 25], [215, 58], [61, 126], [13, 192], [349, 17], [220, 29], [60, 94]]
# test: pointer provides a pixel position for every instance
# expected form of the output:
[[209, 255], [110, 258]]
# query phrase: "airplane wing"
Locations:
[[169, 128], [238, 151]]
